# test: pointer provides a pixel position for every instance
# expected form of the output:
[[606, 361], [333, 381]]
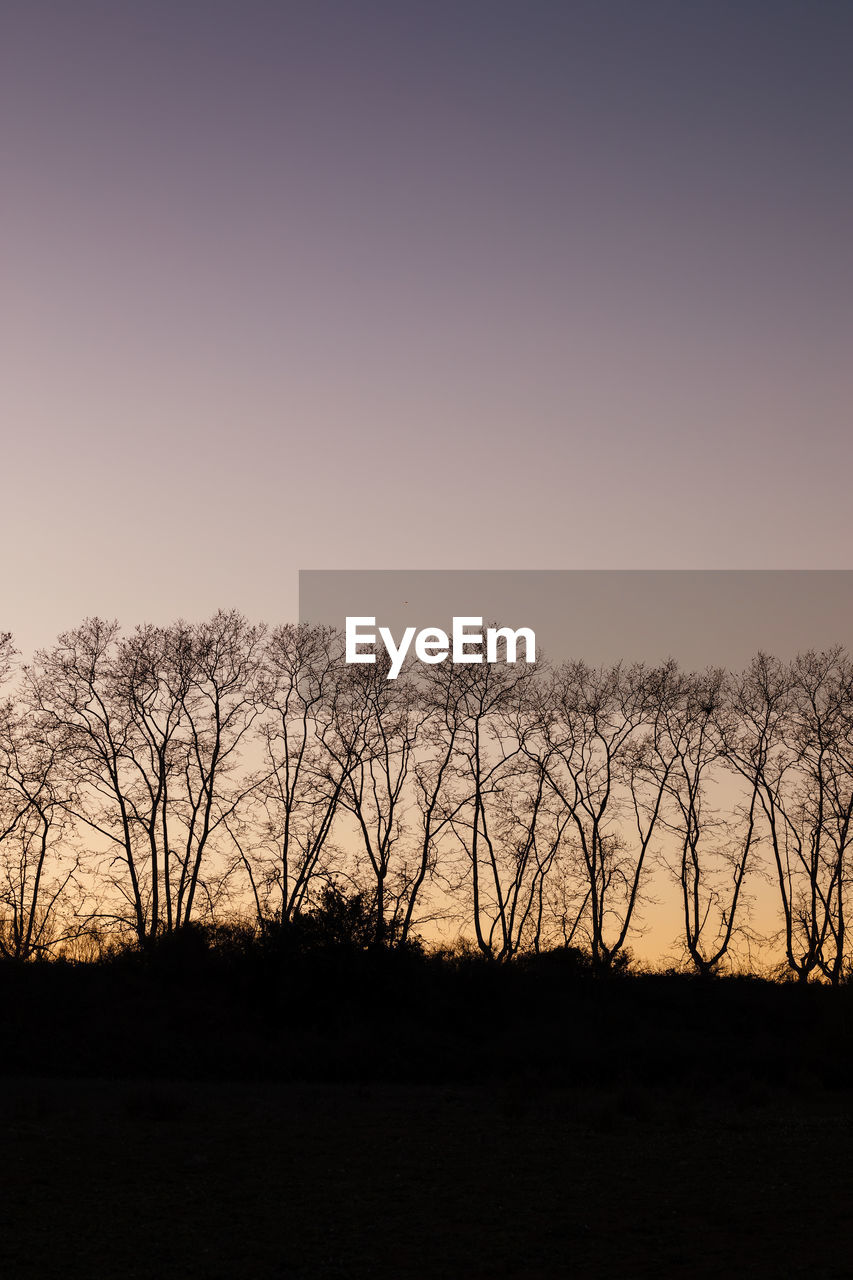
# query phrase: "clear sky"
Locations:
[[448, 284]]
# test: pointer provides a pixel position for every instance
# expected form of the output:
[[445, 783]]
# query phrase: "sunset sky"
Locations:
[[445, 285]]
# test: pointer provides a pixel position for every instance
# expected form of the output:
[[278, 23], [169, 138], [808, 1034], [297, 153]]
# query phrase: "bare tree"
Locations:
[[35, 870], [220, 703], [7, 655], [713, 850], [540, 800], [283, 841], [378, 726], [608, 760], [73, 689], [499, 808], [819, 802], [443, 691], [792, 739], [149, 728], [840, 806]]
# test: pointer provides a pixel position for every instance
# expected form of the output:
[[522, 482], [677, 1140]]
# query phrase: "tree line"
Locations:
[[208, 772]]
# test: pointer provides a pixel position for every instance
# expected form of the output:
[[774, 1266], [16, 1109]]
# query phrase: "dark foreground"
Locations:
[[393, 1119], [213, 1180]]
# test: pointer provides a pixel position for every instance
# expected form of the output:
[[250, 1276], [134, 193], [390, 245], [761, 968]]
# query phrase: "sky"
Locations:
[[417, 285]]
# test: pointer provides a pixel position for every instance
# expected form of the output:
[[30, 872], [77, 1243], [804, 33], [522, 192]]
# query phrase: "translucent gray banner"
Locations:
[[700, 617]]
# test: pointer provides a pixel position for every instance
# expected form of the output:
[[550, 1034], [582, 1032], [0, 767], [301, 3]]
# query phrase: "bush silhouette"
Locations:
[[337, 921]]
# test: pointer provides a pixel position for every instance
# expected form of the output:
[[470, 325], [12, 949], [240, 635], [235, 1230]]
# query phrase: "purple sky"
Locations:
[[460, 284]]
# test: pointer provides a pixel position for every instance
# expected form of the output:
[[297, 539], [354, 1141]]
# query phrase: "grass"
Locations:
[[213, 1179], [205, 1115]]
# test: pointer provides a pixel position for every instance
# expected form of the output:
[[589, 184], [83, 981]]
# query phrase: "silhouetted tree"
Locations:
[[531, 806], [498, 806], [34, 872], [149, 728], [284, 838], [713, 851], [608, 759], [220, 708], [378, 725], [791, 735], [7, 655]]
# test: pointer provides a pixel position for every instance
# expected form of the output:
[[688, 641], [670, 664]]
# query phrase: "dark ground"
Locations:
[[365, 1118]]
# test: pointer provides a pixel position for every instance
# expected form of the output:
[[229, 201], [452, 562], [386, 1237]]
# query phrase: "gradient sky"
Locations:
[[462, 284]]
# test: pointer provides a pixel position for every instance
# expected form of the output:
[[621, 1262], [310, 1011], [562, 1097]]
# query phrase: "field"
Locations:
[[529, 1140]]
